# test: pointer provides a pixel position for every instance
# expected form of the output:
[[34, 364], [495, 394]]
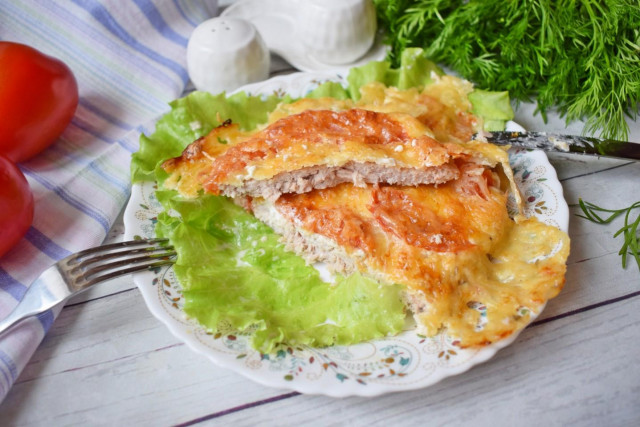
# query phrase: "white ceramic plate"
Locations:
[[404, 362], [276, 23]]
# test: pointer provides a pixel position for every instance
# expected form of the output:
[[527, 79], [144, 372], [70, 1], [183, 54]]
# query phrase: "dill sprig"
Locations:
[[629, 231], [581, 57]]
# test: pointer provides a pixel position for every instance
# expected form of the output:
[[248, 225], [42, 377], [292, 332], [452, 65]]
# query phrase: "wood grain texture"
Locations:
[[594, 267], [576, 371]]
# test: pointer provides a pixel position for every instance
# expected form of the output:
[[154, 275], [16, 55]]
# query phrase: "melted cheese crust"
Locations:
[[312, 138], [328, 138], [386, 126], [469, 268]]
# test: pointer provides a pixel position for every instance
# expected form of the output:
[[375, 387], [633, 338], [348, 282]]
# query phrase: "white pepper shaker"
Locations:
[[225, 53]]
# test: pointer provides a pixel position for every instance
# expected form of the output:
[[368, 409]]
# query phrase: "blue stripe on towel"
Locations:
[[11, 285], [158, 22], [11, 366], [46, 320], [106, 116], [88, 128], [183, 14], [123, 142], [46, 245], [70, 199], [122, 186], [100, 13], [127, 145]]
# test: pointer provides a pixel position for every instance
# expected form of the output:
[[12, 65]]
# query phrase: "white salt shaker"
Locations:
[[225, 53], [336, 31]]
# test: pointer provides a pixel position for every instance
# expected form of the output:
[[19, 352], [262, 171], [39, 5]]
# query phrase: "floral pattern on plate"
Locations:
[[404, 362]]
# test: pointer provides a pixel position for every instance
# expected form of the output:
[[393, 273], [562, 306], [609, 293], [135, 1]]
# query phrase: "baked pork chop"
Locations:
[[317, 149], [467, 267]]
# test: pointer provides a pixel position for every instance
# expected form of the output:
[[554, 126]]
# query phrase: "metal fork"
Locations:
[[78, 272]]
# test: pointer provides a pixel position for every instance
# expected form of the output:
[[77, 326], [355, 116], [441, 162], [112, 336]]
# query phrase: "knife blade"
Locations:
[[564, 144]]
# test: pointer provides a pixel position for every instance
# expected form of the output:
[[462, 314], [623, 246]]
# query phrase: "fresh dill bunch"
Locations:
[[581, 57], [629, 231]]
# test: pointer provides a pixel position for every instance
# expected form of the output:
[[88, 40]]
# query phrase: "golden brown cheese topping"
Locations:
[[311, 138], [447, 125], [187, 172], [442, 106], [386, 126], [469, 267], [322, 137]]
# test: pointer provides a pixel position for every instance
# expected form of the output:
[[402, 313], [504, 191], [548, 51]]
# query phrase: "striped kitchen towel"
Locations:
[[129, 58]]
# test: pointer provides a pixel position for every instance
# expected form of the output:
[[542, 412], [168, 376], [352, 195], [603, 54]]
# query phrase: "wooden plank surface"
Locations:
[[107, 360], [577, 370]]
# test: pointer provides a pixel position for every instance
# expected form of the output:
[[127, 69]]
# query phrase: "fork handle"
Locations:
[[36, 300]]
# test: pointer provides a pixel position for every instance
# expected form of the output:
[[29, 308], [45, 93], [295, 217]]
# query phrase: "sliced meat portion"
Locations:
[[467, 266], [317, 149], [320, 177]]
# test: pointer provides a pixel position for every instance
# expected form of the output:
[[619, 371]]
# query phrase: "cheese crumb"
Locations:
[[386, 161], [436, 238]]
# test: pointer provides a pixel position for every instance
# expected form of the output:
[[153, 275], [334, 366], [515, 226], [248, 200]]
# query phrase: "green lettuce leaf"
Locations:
[[414, 71], [493, 107], [192, 117], [329, 90], [236, 274]]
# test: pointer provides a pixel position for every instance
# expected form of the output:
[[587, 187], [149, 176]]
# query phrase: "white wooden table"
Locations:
[[107, 360]]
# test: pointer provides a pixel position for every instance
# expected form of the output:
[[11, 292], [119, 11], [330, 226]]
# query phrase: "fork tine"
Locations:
[[77, 272], [101, 249], [84, 262], [101, 263], [85, 281], [91, 271]]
